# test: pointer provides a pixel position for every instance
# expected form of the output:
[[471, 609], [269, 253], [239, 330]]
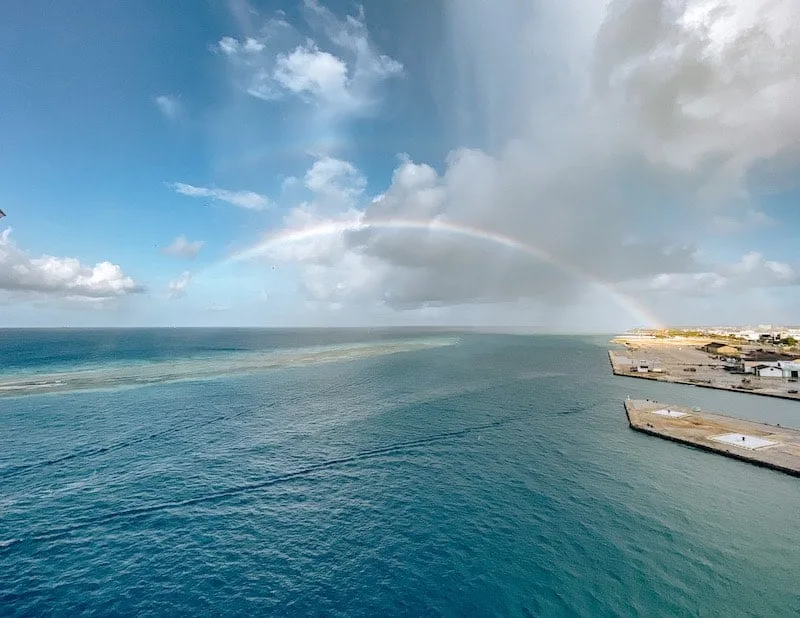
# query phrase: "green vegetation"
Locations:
[[668, 333], [676, 332]]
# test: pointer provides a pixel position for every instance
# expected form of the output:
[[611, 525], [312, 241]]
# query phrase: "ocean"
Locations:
[[361, 472]]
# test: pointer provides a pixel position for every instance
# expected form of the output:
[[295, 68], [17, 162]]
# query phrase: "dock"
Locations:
[[770, 446]]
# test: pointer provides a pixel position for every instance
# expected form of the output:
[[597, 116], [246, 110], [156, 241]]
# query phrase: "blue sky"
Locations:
[[422, 162]]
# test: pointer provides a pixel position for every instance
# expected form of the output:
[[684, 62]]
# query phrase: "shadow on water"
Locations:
[[143, 511], [90, 451], [17, 470], [581, 408], [87, 451], [102, 450]]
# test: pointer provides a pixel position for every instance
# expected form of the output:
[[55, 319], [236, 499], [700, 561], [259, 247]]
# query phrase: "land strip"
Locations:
[[680, 361], [770, 446]]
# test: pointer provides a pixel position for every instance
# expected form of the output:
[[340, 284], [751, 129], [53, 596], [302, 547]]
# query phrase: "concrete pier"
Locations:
[[765, 445]]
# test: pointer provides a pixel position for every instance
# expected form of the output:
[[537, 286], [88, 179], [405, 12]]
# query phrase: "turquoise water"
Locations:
[[364, 473]]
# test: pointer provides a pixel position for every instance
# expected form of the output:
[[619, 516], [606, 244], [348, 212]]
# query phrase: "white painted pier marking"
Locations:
[[743, 440], [670, 413]]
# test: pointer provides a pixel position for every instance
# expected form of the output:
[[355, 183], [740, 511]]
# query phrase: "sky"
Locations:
[[580, 166]]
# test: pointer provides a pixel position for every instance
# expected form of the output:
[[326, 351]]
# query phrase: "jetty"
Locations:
[[770, 446]]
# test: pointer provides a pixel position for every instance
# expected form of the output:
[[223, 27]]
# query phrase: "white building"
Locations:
[[790, 369], [750, 365], [768, 371]]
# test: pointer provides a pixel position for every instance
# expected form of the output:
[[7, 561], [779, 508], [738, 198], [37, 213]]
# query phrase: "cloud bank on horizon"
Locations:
[[642, 149]]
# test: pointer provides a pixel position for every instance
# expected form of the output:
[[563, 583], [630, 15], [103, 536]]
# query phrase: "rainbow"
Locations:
[[635, 309]]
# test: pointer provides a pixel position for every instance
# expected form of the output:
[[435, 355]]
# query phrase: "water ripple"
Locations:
[[274, 480]]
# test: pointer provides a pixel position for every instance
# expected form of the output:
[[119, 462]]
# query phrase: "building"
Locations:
[[768, 371], [748, 335], [729, 351], [721, 349], [790, 369], [748, 363]]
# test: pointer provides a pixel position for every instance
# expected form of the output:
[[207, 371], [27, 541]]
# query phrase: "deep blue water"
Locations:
[[368, 473]]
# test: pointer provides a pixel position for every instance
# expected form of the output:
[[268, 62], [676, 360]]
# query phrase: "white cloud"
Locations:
[[755, 268], [592, 127], [339, 72], [332, 272], [337, 185], [707, 85], [352, 37], [177, 287], [230, 46], [327, 172], [693, 284], [183, 247], [169, 105], [252, 46], [243, 199], [307, 70], [59, 276], [752, 271], [411, 268]]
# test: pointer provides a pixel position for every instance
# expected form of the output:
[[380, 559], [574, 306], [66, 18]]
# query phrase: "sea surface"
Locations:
[[370, 473]]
